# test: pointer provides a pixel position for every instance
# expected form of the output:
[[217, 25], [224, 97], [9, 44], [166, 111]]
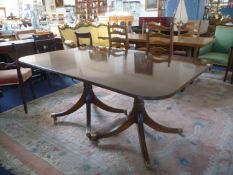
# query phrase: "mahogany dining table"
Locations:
[[190, 42], [133, 74]]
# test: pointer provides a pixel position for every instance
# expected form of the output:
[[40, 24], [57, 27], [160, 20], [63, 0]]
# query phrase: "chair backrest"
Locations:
[[164, 21], [44, 42], [118, 36], [24, 34], [84, 35], [223, 39], [160, 42]]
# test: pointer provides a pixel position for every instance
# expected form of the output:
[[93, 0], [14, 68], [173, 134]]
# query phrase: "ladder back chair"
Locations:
[[118, 36], [83, 35], [159, 42], [13, 74]]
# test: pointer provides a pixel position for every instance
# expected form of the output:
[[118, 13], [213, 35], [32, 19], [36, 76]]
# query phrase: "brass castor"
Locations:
[[54, 118], [92, 136]]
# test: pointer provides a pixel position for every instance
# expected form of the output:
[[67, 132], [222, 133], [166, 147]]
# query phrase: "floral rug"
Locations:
[[204, 111]]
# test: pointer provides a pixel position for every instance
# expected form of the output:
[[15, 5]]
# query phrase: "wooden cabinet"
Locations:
[[90, 9]]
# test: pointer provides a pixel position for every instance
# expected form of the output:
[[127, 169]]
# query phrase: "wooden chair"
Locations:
[[83, 35], [160, 42], [44, 43], [12, 74], [219, 52], [118, 36]]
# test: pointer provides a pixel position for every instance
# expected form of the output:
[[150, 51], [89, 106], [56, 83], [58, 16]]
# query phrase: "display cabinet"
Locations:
[[90, 9]]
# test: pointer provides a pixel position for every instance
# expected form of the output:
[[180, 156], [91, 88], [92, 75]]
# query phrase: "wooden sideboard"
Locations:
[[28, 47]]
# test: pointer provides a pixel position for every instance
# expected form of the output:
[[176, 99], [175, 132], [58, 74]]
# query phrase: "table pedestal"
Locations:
[[88, 97], [139, 116]]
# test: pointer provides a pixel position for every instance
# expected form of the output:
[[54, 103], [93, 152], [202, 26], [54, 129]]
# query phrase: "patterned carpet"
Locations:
[[204, 110]]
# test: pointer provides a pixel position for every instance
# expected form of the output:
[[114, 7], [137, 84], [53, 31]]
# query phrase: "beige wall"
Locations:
[[12, 6]]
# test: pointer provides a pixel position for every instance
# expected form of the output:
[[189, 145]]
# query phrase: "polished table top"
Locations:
[[177, 40], [133, 75]]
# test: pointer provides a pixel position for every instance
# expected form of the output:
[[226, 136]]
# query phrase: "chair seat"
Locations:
[[8, 77], [216, 58]]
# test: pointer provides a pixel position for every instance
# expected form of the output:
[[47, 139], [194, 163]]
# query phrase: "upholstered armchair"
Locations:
[[13, 74], [218, 52]]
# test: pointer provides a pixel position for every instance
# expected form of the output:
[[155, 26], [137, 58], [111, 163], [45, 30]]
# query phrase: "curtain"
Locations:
[[195, 8]]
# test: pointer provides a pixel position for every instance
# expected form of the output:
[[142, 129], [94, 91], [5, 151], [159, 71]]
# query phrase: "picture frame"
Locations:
[[2, 12], [59, 3], [151, 5]]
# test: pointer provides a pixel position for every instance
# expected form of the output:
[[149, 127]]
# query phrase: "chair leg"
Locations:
[[32, 89], [226, 73], [48, 78], [21, 88], [229, 66], [232, 78]]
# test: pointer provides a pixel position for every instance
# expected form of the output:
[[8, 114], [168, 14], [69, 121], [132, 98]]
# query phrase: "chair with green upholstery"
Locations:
[[219, 51]]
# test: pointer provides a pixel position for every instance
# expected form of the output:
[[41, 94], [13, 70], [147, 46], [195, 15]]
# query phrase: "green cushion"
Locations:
[[223, 39], [216, 58]]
